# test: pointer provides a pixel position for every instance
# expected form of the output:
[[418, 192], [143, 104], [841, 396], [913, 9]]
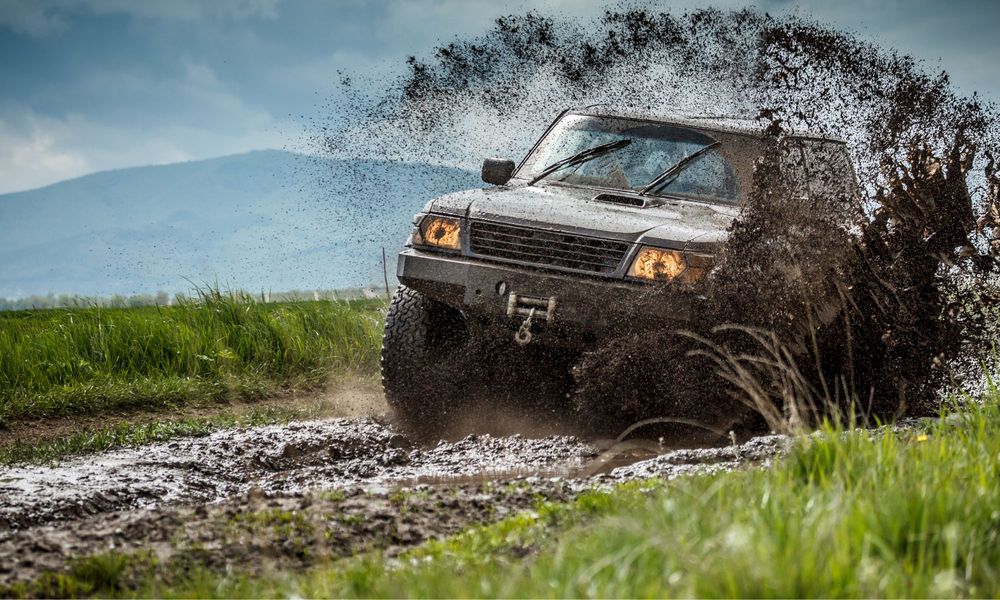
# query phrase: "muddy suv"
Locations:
[[605, 204]]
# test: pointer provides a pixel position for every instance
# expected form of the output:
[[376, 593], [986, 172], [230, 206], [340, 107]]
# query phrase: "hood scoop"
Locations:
[[636, 201]]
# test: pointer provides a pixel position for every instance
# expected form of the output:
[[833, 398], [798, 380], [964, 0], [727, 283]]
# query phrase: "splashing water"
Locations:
[[821, 304]]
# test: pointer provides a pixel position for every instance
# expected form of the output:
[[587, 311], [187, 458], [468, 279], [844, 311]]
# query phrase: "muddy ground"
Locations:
[[295, 493], [353, 396]]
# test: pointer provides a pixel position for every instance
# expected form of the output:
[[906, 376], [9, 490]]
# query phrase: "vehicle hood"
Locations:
[[677, 223]]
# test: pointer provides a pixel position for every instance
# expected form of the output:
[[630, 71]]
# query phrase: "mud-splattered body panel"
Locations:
[[569, 242]]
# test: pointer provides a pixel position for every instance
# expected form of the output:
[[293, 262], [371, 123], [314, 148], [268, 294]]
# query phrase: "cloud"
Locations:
[[46, 18], [443, 19], [135, 117], [36, 150], [97, 84], [32, 153], [187, 10], [323, 72], [36, 19], [212, 99]]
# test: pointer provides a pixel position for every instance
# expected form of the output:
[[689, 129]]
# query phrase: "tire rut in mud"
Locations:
[[330, 454], [289, 496]]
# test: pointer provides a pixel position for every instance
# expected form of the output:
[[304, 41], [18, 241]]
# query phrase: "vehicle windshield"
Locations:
[[654, 148]]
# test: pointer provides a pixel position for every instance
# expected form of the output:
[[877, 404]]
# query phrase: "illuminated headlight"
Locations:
[[659, 264], [440, 232]]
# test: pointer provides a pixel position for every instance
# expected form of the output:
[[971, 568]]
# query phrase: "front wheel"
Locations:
[[422, 340]]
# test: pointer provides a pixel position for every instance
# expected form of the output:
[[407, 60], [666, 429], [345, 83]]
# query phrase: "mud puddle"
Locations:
[[331, 454], [276, 460], [358, 481], [309, 456]]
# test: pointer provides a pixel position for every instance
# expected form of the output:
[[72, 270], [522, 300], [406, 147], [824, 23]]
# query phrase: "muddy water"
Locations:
[[326, 454], [174, 496], [309, 456]]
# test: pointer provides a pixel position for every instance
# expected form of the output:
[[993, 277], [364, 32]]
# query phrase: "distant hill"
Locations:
[[266, 220]]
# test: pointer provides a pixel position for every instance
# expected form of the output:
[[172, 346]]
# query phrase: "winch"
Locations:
[[530, 308]]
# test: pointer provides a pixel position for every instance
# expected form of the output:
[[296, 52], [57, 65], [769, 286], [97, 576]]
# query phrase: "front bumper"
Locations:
[[583, 305]]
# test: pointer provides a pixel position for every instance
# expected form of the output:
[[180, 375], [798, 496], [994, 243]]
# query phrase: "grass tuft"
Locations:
[[224, 345]]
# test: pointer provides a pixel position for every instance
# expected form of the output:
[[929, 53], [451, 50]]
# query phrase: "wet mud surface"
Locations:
[[298, 492], [278, 459]]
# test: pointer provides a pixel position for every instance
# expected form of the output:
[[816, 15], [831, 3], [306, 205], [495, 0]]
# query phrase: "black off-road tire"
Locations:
[[421, 375]]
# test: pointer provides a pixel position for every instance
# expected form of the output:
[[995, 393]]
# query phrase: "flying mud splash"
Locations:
[[822, 301]]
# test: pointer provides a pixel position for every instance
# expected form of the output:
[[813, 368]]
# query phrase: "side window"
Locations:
[[830, 171], [710, 176], [793, 167]]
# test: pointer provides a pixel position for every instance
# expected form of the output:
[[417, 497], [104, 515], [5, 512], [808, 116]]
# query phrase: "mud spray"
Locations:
[[822, 303]]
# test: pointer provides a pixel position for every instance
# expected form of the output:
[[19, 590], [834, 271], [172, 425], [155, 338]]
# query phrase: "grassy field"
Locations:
[[221, 346]]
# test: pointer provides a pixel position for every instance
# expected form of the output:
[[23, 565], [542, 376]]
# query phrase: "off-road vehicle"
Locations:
[[605, 204]]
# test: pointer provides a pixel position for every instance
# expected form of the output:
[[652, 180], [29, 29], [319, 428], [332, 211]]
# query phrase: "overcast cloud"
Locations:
[[90, 85]]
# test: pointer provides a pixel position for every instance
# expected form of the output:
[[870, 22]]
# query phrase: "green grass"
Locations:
[[137, 434], [224, 345], [856, 514]]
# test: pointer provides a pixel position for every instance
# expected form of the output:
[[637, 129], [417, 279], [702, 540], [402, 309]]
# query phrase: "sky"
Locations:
[[91, 85]]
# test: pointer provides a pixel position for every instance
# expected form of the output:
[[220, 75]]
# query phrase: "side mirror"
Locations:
[[497, 171]]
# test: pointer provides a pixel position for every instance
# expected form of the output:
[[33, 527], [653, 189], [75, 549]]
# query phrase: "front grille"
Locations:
[[548, 248]]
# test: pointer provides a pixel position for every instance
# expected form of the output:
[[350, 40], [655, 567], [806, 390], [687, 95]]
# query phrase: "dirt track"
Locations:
[[343, 475]]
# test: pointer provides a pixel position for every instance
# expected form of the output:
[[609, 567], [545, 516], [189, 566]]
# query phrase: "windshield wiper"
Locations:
[[671, 173], [579, 158]]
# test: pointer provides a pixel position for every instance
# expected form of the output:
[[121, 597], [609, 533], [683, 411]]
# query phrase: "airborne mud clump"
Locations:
[[823, 301]]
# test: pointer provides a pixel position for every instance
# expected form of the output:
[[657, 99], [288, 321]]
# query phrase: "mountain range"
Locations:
[[267, 220]]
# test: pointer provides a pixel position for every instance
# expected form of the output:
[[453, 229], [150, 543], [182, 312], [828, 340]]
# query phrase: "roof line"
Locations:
[[697, 121]]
